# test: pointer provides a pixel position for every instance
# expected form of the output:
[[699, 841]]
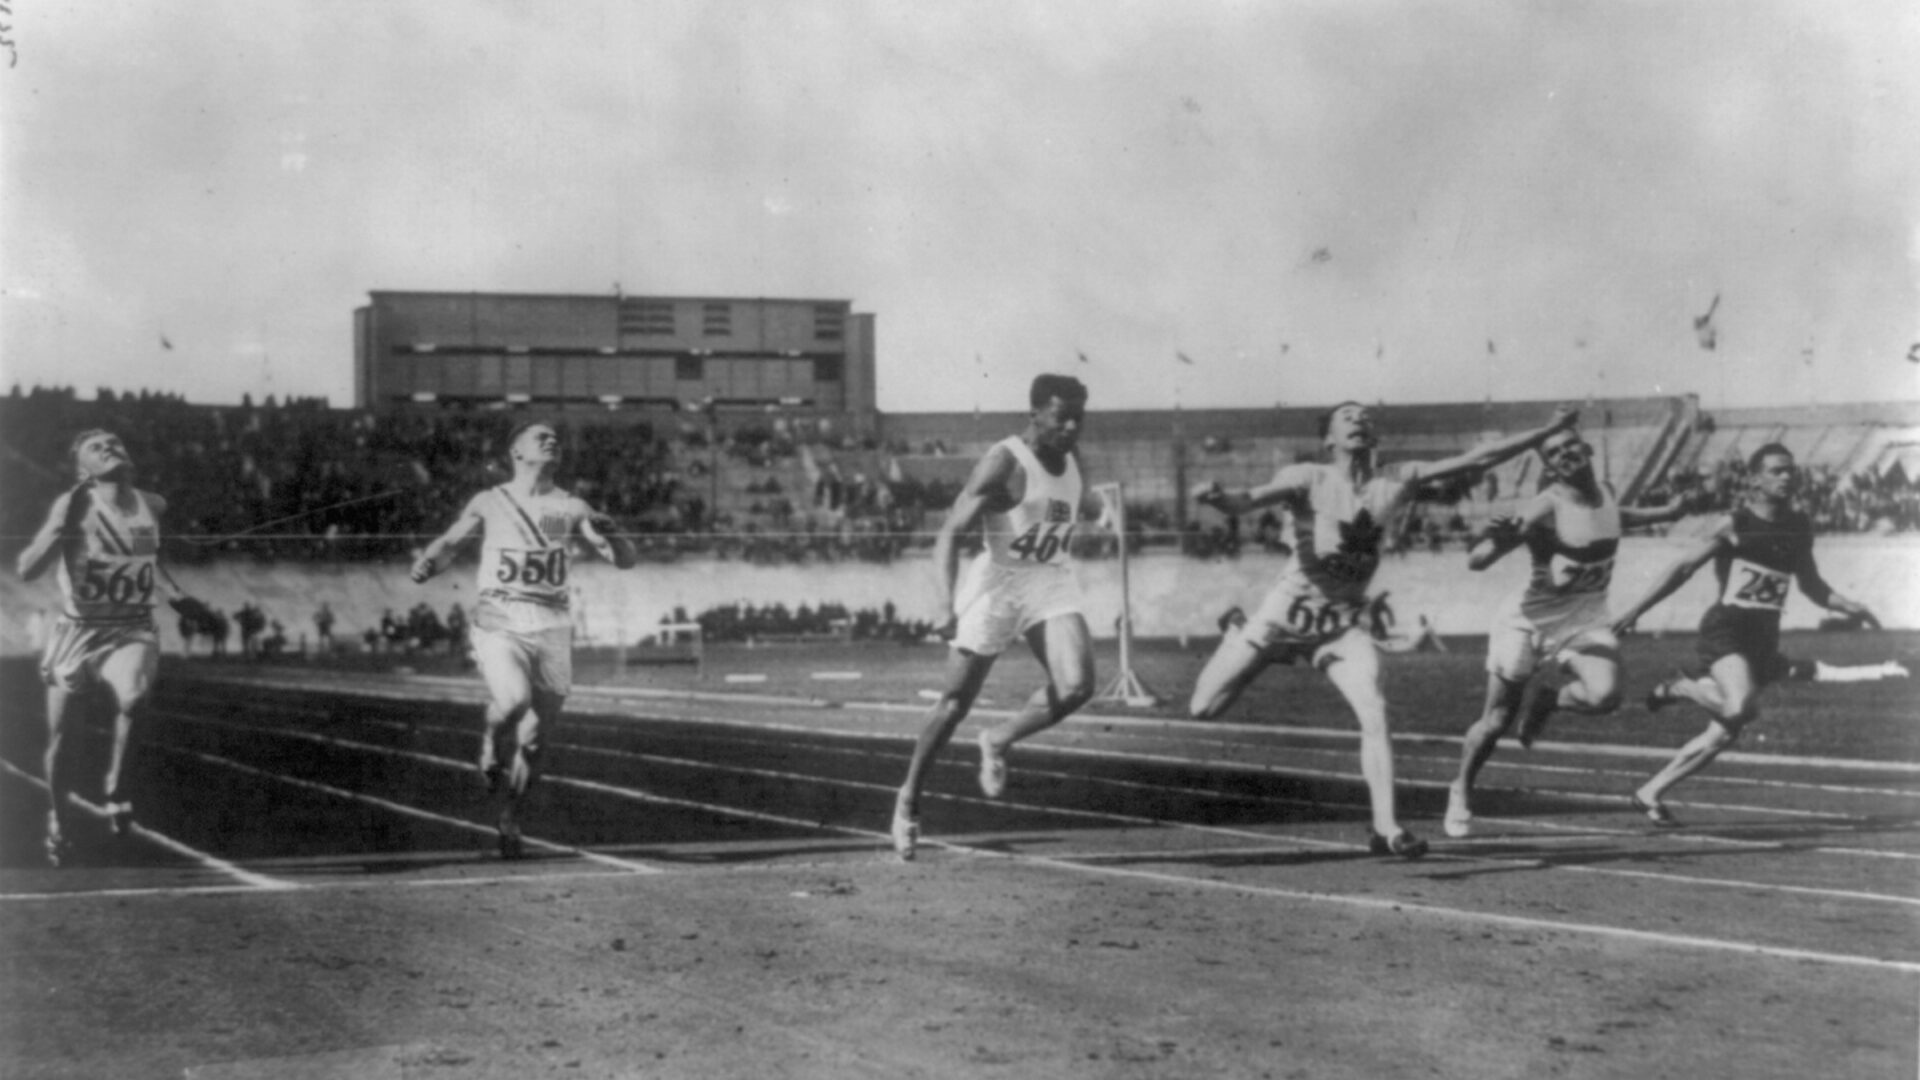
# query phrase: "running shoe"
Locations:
[[1459, 819], [120, 814], [906, 836], [1404, 844], [1655, 812], [512, 845], [59, 848], [993, 767]]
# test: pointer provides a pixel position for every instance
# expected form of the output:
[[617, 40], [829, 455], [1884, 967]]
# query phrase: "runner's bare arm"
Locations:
[[602, 534], [988, 490], [1673, 509], [63, 520], [1817, 590], [1489, 454], [1507, 532], [1676, 574], [1287, 480], [462, 530]]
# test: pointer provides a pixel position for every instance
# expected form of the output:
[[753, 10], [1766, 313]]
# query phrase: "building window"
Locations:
[[688, 369], [716, 320], [826, 369], [651, 318], [829, 323]]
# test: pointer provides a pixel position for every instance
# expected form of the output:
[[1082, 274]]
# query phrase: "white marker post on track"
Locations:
[[1127, 688]]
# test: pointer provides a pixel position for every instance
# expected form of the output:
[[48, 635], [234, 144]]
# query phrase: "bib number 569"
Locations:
[[115, 583]]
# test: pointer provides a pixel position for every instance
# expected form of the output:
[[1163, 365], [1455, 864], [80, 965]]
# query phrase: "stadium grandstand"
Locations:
[[764, 446]]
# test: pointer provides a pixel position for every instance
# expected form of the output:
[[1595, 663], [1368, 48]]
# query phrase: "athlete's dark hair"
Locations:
[[1326, 418], [1754, 459], [73, 448], [520, 429], [1047, 387]]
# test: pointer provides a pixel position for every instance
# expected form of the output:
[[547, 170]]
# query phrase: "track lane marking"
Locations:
[[1339, 899], [1304, 842], [211, 862], [409, 811]]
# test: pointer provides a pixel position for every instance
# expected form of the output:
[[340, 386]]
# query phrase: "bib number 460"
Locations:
[[1042, 542], [547, 567]]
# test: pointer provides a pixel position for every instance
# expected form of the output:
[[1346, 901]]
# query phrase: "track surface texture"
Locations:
[[311, 890]]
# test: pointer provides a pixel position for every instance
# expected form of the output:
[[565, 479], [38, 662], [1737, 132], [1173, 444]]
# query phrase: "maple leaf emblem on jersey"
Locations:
[[1359, 551]]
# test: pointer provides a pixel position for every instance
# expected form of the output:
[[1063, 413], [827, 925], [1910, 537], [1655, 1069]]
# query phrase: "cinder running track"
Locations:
[[312, 892]]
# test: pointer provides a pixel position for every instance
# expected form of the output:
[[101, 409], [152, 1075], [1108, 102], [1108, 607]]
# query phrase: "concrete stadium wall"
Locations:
[[1171, 594]]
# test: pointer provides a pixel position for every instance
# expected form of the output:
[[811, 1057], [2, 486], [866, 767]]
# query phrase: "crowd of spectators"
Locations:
[[776, 622], [296, 479], [1859, 503]]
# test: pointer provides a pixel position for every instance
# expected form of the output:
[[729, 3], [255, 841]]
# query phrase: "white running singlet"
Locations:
[[108, 575]]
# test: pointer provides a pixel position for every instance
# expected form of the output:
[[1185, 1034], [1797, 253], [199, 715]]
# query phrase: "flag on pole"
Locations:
[[1703, 327]]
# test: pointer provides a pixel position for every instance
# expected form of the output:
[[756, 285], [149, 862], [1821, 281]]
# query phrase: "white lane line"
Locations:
[[1377, 903], [1131, 820], [406, 810], [1274, 800], [1337, 899], [400, 808], [211, 862], [468, 689]]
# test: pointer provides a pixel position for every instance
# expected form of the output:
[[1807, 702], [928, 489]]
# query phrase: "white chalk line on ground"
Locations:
[[1109, 816], [468, 689], [211, 862], [1264, 799], [1338, 899], [406, 810]]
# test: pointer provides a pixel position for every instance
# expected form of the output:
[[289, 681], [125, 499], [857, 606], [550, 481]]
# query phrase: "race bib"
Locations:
[[1318, 620], [540, 570], [1042, 543], [1753, 586], [1570, 576]]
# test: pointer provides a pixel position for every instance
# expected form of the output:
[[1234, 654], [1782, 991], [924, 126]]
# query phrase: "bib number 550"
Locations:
[[547, 567]]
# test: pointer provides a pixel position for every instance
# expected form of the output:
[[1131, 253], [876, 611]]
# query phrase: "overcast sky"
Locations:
[[1314, 201]]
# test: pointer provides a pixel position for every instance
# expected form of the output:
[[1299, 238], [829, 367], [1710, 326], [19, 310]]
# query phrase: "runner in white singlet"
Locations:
[[104, 538], [522, 633], [1321, 609], [1025, 495], [1571, 530]]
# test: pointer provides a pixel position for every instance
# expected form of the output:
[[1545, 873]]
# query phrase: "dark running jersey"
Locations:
[[1757, 570]]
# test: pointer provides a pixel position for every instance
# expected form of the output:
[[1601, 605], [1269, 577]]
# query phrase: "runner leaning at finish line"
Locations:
[[1343, 511], [1758, 552], [1559, 618], [522, 633], [1025, 496], [104, 537]]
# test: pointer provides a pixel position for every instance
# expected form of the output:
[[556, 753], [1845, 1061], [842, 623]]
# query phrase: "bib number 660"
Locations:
[[547, 567]]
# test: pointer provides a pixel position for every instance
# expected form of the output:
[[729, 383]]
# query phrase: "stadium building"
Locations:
[[614, 352]]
